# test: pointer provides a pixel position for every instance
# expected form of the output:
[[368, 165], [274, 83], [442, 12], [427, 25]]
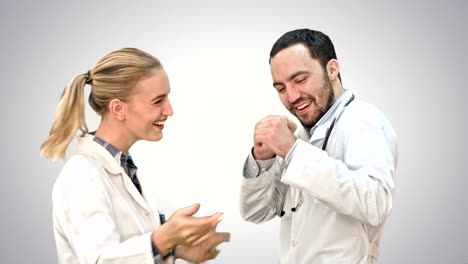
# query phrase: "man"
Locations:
[[331, 181]]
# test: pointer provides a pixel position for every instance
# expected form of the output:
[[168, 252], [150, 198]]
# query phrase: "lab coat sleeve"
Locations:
[[361, 182], [83, 212], [261, 197]]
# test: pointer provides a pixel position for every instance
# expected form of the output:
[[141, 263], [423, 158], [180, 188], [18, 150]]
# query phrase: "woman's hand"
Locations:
[[183, 229], [205, 251]]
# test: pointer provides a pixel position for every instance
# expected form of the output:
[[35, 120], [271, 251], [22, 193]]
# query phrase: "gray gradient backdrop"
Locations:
[[407, 57]]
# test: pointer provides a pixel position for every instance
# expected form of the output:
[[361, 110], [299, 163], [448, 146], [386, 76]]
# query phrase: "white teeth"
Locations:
[[303, 106], [161, 123]]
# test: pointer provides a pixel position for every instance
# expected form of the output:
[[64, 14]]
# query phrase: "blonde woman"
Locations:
[[100, 214]]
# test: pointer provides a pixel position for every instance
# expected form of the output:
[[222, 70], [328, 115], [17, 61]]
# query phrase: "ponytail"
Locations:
[[69, 117]]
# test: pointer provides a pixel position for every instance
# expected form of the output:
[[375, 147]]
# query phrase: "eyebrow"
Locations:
[[158, 97], [294, 75], [161, 96]]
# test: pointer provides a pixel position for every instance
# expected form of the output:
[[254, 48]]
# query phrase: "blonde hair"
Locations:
[[113, 77]]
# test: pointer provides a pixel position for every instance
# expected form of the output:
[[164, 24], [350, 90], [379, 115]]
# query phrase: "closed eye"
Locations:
[[158, 100], [300, 80], [280, 88]]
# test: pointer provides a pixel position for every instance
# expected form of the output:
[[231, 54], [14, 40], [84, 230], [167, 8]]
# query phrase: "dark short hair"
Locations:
[[319, 44]]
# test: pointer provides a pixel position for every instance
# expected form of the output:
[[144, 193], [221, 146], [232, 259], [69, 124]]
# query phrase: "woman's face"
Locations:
[[148, 107]]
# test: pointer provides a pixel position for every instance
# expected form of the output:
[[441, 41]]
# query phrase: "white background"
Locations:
[[407, 57]]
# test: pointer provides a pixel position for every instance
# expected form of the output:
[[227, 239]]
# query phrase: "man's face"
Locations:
[[303, 86]]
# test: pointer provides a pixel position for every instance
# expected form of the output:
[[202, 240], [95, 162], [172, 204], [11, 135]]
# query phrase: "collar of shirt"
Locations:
[[339, 103], [124, 160]]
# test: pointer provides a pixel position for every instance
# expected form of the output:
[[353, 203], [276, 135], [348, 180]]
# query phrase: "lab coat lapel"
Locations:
[[318, 135], [133, 191], [110, 164], [320, 132]]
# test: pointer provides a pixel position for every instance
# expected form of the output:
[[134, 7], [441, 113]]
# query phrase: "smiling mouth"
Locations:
[[159, 123], [302, 106]]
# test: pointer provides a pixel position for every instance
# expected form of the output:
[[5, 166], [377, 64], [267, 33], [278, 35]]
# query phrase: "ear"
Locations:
[[117, 109], [333, 69]]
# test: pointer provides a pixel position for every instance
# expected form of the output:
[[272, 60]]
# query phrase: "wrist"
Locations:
[[288, 147], [162, 243], [263, 155], [179, 252]]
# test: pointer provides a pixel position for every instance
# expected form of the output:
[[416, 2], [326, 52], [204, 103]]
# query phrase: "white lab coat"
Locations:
[[347, 192], [98, 214]]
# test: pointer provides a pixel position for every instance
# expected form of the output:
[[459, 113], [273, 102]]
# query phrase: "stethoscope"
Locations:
[[299, 198]]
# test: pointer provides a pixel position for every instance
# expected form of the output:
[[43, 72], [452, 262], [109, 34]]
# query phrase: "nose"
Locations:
[[293, 94], [168, 109]]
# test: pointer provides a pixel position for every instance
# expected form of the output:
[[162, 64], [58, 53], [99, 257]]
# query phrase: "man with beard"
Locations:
[[331, 181]]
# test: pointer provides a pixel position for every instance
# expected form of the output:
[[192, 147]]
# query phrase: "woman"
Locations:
[[100, 214]]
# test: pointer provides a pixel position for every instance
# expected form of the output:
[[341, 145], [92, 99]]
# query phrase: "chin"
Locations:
[[307, 122], [155, 137]]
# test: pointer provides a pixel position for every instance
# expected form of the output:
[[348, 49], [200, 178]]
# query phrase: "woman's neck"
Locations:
[[114, 135]]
